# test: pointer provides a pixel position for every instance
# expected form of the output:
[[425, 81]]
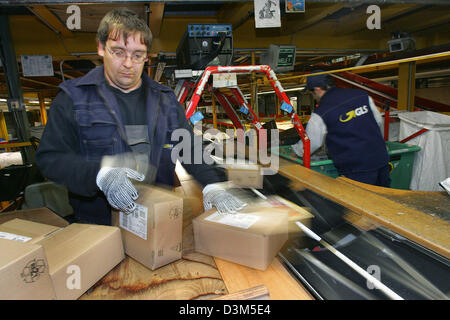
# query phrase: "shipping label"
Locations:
[[239, 220], [135, 222], [15, 237]]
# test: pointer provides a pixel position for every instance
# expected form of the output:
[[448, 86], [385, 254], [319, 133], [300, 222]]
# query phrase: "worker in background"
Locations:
[[98, 120], [350, 124]]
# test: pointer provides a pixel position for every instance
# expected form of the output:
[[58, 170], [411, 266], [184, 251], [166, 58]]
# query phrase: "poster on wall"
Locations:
[[295, 6], [267, 14]]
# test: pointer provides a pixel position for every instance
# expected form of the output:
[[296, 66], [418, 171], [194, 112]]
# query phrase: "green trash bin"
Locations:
[[401, 161]]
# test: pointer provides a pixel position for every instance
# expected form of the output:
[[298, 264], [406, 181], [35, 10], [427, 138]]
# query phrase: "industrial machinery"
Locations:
[[244, 108], [203, 44]]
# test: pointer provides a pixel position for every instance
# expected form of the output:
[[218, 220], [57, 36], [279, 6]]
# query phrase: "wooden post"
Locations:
[[42, 108], [3, 128], [406, 86]]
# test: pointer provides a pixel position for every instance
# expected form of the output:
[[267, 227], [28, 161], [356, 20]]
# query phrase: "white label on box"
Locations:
[[239, 220], [135, 222], [12, 236]]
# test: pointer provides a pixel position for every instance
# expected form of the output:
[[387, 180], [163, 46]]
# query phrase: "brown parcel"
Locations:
[[24, 272], [153, 234], [80, 255], [31, 232], [77, 256], [253, 241], [248, 176]]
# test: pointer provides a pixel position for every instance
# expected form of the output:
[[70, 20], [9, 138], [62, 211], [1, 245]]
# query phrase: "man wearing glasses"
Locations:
[[98, 120]]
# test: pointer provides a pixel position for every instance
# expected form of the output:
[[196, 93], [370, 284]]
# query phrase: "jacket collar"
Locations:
[[97, 76]]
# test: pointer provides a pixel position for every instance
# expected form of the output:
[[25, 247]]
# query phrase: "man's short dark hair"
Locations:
[[126, 22], [323, 81]]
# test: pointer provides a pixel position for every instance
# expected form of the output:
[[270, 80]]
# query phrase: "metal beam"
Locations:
[[156, 18], [50, 20], [16, 105], [316, 18]]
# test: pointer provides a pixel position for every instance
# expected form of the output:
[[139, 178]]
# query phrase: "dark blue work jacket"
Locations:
[[354, 139], [101, 128]]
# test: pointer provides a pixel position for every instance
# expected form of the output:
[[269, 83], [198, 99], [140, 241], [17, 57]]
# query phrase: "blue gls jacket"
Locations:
[[98, 130], [354, 140]]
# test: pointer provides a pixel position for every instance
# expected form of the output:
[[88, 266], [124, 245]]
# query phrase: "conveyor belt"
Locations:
[[407, 268]]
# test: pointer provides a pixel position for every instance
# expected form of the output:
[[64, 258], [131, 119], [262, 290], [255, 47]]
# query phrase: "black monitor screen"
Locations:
[[286, 57]]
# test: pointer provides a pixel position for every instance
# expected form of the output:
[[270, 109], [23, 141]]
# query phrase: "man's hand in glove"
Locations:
[[117, 187], [214, 195]]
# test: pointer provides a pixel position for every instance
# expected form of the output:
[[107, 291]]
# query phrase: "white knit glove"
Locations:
[[117, 187], [214, 195]]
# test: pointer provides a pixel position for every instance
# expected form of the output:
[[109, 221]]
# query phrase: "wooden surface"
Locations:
[[195, 276], [383, 207], [436, 204], [255, 293], [281, 285]]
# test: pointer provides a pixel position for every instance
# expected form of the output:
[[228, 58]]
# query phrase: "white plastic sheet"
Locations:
[[432, 162], [10, 158]]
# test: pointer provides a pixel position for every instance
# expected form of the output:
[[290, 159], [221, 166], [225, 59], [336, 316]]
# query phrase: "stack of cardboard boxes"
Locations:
[[41, 261]]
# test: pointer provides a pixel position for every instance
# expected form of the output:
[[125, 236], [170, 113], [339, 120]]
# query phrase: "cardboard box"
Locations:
[[295, 212], [80, 255], [24, 272], [153, 234], [245, 175], [77, 256], [25, 231], [40, 215], [251, 237]]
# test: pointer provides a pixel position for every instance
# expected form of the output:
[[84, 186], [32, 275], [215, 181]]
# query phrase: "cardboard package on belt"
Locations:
[[251, 237], [74, 258], [245, 175], [152, 235]]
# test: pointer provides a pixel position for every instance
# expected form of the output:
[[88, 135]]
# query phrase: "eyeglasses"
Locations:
[[120, 54]]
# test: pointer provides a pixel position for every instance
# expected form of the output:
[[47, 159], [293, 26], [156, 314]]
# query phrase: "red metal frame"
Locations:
[[418, 133], [270, 74], [382, 93], [228, 107], [386, 124]]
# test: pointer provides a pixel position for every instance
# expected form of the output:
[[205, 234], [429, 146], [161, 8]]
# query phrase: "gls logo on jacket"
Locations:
[[354, 113]]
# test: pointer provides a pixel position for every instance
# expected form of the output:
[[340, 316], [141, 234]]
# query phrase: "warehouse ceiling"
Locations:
[[329, 35]]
